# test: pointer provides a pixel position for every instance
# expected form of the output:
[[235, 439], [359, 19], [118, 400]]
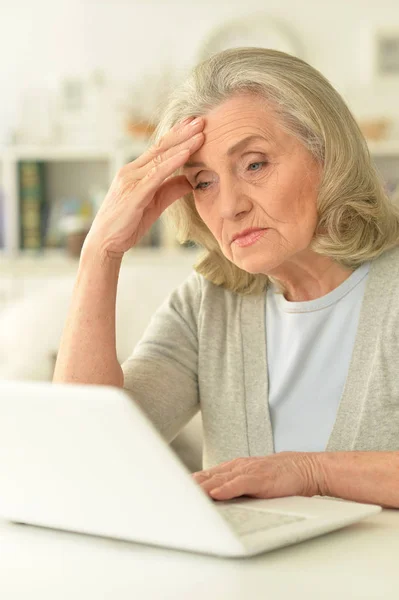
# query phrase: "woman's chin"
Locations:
[[254, 264]]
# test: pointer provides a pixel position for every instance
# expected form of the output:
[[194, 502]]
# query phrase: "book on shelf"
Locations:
[[33, 205]]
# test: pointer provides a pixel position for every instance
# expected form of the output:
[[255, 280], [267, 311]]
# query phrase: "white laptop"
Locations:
[[86, 459]]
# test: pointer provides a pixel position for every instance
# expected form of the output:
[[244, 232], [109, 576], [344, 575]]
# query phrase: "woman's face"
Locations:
[[250, 173]]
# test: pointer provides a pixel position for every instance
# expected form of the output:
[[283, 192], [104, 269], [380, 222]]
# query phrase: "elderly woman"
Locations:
[[286, 334]]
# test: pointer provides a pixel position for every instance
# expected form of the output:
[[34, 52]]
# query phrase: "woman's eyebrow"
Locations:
[[244, 142], [232, 150]]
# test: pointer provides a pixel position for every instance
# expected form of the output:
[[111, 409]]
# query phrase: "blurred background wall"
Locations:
[[44, 41]]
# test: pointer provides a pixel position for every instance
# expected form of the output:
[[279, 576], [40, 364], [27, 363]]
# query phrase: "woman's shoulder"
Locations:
[[198, 297], [385, 269], [382, 290], [196, 284]]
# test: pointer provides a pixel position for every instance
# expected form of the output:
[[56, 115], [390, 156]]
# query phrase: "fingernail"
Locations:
[[195, 122], [186, 121]]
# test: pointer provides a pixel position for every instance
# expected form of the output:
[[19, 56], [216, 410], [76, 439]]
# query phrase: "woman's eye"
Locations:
[[255, 166], [202, 185]]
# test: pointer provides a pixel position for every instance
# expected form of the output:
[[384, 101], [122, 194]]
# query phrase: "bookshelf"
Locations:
[[69, 171]]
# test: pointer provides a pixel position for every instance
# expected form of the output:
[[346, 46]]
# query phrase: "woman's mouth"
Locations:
[[249, 238]]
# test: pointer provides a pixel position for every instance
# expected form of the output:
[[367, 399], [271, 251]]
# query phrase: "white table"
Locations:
[[358, 562]]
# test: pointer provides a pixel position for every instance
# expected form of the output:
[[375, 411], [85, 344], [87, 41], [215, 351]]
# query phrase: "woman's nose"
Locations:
[[232, 201]]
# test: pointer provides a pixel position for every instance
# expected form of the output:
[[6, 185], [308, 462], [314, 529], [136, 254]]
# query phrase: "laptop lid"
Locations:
[[86, 458]]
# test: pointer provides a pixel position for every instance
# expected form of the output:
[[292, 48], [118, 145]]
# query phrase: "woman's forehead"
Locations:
[[229, 151], [237, 124], [241, 116]]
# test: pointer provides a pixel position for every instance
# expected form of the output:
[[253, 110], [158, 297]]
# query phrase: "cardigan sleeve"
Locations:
[[161, 375]]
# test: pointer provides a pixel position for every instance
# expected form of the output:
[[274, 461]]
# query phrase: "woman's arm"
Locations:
[[370, 477], [87, 352], [139, 193]]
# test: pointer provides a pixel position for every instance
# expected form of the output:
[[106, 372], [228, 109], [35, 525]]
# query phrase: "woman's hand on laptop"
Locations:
[[274, 476]]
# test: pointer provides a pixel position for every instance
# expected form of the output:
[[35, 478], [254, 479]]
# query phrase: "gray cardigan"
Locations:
[[205, 348]]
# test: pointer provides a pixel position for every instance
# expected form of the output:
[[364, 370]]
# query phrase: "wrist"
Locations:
[[320, 473], [94, 253], [312, 473]]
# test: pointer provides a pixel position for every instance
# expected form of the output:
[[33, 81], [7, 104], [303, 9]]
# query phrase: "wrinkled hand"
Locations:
[[143, 189], [274, 476]]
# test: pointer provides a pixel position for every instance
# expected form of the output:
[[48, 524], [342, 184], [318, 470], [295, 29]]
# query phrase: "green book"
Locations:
[[32, 204]]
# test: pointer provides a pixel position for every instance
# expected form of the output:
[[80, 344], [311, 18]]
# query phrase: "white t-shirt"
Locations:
[[309, 347]]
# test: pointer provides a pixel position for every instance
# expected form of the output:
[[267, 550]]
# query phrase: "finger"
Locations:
[[202, 476], [150, 184], [157, 175], [170, 191], [239, 486], [179, 134], [215, 482], [214, 478], [230, 468], [193, 144]]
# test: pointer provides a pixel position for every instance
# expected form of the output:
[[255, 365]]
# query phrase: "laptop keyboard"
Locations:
[[248, 520]]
